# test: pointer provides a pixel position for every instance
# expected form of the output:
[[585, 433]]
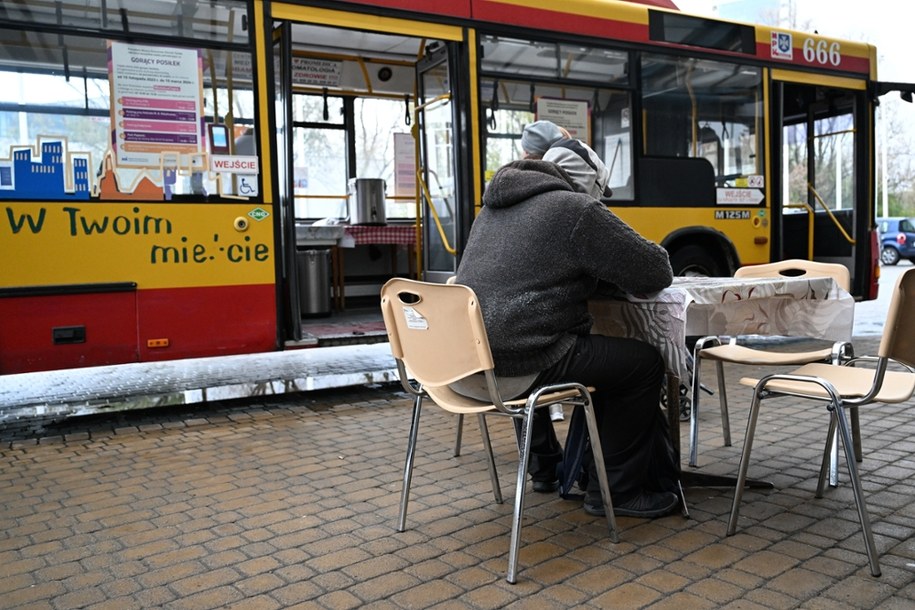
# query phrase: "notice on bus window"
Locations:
[[574, 115], [737, 196], [156, 103], [404, 165], [316, 72]]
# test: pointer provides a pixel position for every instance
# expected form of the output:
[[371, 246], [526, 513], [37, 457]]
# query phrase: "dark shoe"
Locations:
[[545, 487], [647, 505]]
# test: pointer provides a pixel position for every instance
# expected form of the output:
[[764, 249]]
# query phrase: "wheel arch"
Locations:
[[716, 243]]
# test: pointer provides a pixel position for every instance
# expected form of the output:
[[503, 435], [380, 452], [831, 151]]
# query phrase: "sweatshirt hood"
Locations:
[[520, 180]]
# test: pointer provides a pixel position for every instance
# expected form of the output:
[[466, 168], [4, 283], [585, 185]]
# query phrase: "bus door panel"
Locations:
[[440, 186], [823, 141], [288, 298]]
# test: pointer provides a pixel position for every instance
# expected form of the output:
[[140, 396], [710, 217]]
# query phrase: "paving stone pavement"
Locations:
[[291, 502]]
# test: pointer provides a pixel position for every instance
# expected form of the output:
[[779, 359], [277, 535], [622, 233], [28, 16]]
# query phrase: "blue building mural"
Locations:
[[23, 177]]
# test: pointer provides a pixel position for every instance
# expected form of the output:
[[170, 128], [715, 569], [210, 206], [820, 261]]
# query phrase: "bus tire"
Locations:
[[695, 260]]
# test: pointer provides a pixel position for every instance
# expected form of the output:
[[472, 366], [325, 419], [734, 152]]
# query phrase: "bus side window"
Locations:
[[676, 182]]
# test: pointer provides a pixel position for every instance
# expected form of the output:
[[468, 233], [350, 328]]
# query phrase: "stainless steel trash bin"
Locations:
[[313, 268]]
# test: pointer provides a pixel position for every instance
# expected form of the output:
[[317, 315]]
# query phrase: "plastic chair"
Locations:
[[437, 336], [845, 387], [713, 348]]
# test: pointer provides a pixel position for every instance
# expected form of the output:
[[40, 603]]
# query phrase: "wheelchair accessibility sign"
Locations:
[[247, 186]]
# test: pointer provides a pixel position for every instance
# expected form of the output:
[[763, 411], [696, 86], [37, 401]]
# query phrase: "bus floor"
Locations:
[[354, 325]]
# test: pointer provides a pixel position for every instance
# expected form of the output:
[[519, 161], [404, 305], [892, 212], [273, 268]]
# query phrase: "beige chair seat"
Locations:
[[451, 401], [740, 354], [849, 382]]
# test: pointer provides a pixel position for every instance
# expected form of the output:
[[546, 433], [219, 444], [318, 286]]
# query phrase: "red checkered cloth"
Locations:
[[382, 234]]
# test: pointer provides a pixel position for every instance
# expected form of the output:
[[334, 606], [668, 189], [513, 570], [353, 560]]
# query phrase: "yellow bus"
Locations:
[[186, 178]]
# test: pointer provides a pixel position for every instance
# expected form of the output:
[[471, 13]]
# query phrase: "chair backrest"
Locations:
[[898, 341], [797, 267], [437, 330]]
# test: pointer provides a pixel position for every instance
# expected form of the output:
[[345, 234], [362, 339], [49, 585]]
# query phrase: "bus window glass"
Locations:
[[599, 65], [510, 56], [704, 109], [604, 121], [317, 109], [614, 124], [319, 172], [319, 157], [56, 91], [551, 81], [212, 20], [83, 92], [537, 58], [377, 122], [503, 137], [832, 183]]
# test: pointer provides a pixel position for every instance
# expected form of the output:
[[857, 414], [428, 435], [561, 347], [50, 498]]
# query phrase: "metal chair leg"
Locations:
[[856, 433], [695, 390], [744, 461], [723, 402], [694, 411], [869, 546], [524, 457], [828, 466], [408, 464], [833, 458], [598, 454], [458, 435], [491, 460]]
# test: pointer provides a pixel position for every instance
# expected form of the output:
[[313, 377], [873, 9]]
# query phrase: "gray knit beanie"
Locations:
[[538, 136]]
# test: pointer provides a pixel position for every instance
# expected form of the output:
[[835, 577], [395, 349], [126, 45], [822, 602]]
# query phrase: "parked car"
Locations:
[[897, 236]]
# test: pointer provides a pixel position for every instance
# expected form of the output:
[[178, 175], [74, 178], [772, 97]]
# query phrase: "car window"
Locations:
[[884, 226], [906, 226]]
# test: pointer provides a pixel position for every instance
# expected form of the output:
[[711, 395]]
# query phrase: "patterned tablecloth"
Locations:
[[358, 235], [814, 307]]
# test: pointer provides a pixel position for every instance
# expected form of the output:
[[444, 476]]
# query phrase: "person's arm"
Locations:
[[612, 251]]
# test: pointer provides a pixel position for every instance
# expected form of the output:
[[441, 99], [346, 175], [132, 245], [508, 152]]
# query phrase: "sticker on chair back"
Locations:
[[415, 320]]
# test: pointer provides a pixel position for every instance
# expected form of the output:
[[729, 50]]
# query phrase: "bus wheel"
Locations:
[[694, 261]]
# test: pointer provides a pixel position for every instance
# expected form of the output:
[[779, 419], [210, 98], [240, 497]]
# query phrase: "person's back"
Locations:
[[537, 251], [520, 252]]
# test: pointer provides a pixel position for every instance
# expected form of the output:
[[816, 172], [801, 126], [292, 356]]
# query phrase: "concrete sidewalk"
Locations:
[[291, 501]]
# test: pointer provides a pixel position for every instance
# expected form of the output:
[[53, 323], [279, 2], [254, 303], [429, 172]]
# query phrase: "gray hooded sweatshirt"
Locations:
[[537, 251]]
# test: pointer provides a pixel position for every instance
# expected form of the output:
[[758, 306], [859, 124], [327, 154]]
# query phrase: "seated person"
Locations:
[[537, 251]]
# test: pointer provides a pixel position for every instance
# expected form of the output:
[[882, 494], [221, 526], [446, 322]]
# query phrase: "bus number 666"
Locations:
[[822, 52]]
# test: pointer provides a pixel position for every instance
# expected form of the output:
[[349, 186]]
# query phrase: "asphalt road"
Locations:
[[870, 315]]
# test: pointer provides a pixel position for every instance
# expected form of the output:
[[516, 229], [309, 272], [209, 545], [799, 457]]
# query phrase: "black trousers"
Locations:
[[627, 375]]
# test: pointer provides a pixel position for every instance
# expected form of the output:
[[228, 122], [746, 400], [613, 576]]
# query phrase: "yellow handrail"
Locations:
[[438, 223], [810, 217], [424, 189], [832, 216]]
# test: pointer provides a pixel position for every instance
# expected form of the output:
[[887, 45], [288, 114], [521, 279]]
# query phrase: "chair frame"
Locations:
[[469, 345], [896, 348], [840, 351]]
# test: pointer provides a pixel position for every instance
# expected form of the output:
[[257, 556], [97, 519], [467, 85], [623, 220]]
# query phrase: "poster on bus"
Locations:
[[574, 115], [156, 103]]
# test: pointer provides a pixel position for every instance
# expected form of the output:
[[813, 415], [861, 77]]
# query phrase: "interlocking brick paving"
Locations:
[[291, 502]]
